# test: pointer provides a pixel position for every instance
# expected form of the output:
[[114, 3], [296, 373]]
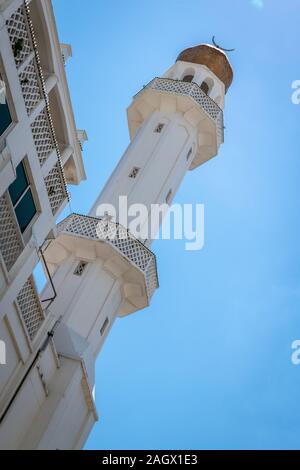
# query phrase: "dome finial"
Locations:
[[214, 58], [219, 47]]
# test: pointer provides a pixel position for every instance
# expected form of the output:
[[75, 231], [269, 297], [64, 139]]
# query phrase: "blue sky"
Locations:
[[207, 365]]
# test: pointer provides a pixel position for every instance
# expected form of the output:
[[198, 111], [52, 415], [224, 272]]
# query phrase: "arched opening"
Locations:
[[207, 85], [188, 75], [204, 87], [188, 78]]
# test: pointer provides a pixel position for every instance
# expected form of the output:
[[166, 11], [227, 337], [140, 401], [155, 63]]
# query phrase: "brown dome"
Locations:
[[215, 59]]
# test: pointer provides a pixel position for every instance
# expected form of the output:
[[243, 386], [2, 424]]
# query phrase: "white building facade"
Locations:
[[97, 269], [40, 152]]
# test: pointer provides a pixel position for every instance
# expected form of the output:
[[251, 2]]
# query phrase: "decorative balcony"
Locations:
[[19, 35], [192, 90], [11, 243], [25, 51], [119, 238], [30, 308]]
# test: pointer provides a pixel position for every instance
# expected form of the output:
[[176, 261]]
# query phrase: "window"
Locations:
[[22, 198], [189, 153], [159, 128], [80, 268], [188, 78], [169, 197], [134, 172], [5, 117], [104, 326]]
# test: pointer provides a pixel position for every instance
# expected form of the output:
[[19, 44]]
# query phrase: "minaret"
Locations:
[[175, 125]]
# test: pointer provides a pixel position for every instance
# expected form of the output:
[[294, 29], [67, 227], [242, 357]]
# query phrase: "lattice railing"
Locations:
[[30, 85], [168, 85], [42, 137], [55, 188], [11, 245], [24, 46], [117, 236], [30, 308], [220, 128], [19, 35]]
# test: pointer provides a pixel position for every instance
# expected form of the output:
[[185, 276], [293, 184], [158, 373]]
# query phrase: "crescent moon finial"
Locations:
[[219, 47]]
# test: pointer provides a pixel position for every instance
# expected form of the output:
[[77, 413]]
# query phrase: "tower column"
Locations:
[[153, 165]]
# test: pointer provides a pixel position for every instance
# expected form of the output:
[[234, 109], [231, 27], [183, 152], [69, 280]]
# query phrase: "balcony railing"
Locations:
[[11, 243], [24, 46], [118, 237], [24, 49], [30, 308], [193, 90]]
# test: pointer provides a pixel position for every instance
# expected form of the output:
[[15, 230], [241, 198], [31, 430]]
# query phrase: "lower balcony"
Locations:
[[110, 241], [186, 96]]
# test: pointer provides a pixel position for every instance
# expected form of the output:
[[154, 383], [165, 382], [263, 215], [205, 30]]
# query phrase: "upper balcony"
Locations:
[[190, 100], [41, 67], [53, 60]]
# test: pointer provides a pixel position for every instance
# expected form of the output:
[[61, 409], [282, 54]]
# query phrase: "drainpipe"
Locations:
[[51, 299]]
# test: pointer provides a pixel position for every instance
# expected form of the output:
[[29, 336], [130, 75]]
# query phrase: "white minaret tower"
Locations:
[[175, 125]]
